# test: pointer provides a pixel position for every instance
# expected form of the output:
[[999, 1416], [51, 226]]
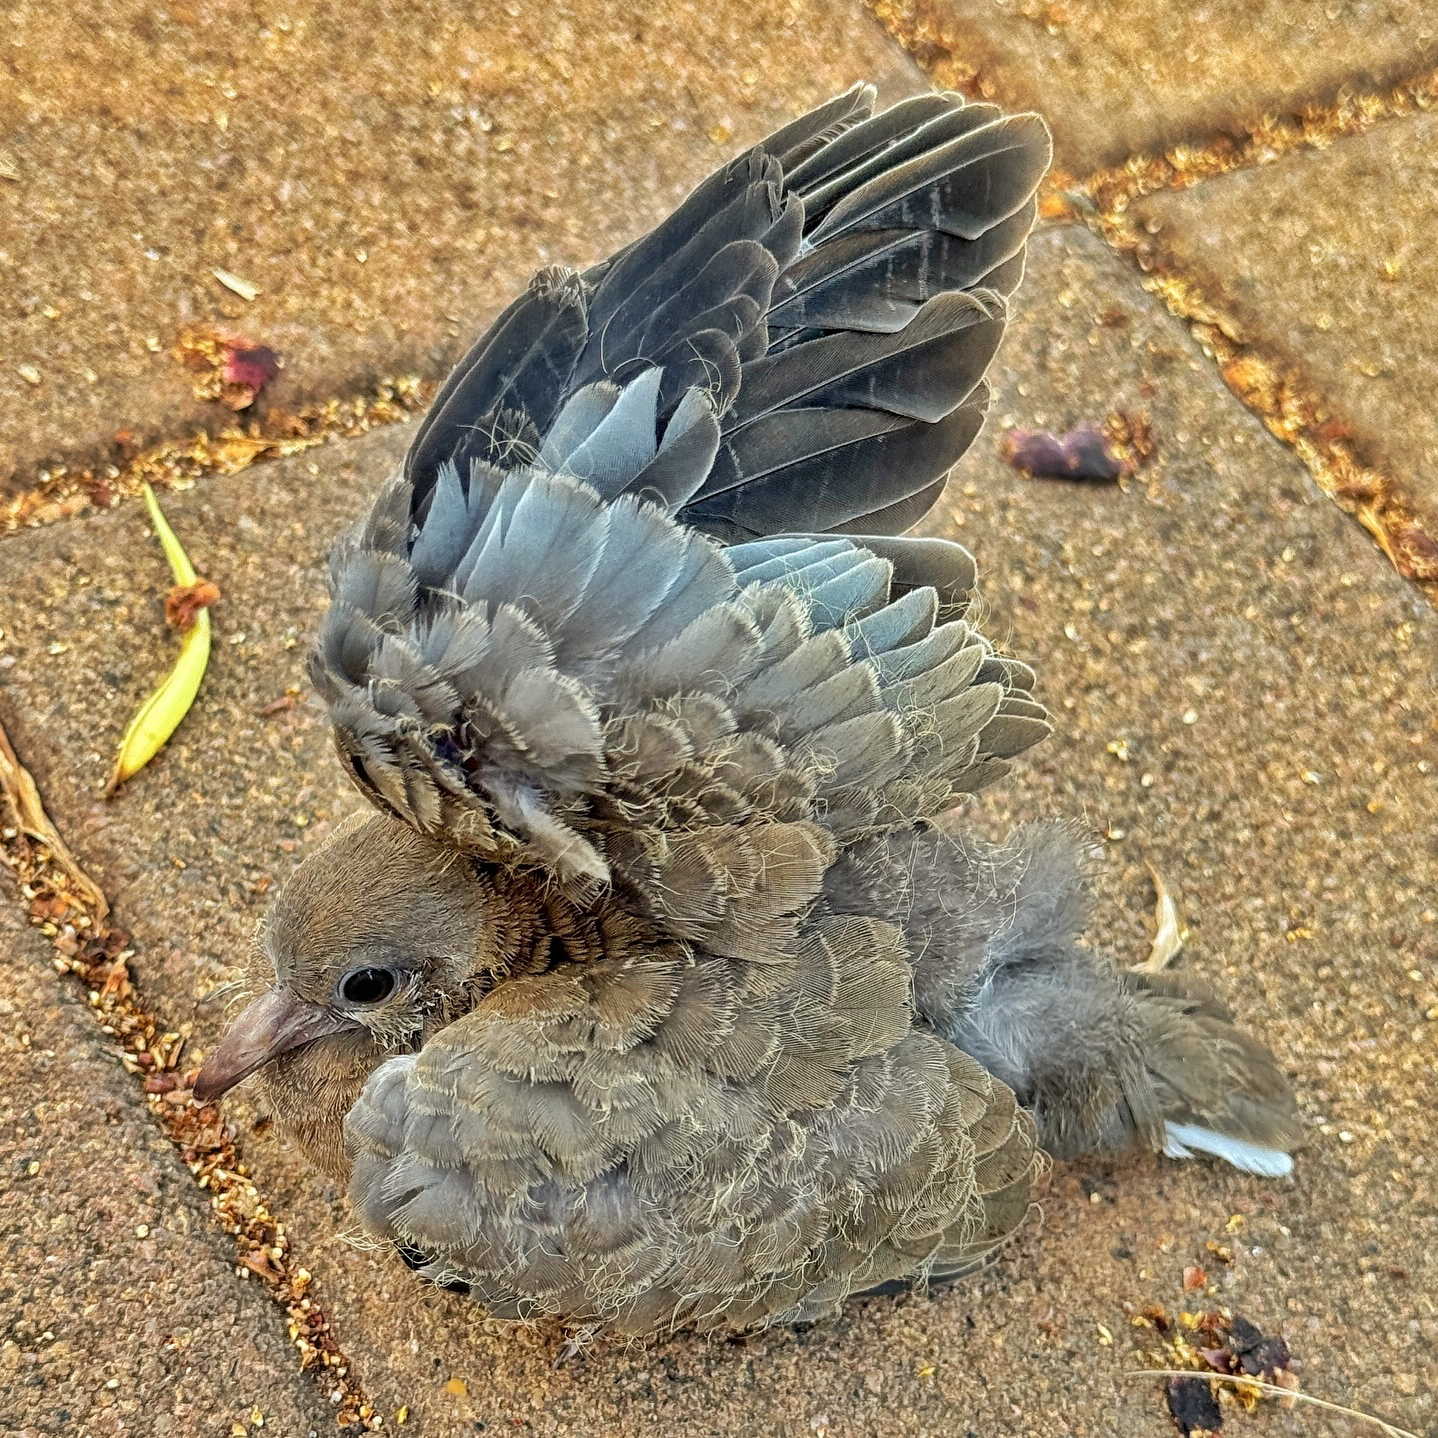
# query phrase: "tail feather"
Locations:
[[1104, 1058], [1220, 1091], [1180, 1140], [1105, 1063]]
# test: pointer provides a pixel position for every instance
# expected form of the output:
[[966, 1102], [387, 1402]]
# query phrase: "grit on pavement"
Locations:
[[1242, 678]]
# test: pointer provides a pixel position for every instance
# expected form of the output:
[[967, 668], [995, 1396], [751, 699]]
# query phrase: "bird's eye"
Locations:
[[367, 986]]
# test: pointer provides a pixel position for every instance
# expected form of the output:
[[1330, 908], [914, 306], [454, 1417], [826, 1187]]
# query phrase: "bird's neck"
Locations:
[[537, 927]]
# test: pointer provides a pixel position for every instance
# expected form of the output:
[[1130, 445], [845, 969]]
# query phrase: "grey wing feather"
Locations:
[[534, 653]]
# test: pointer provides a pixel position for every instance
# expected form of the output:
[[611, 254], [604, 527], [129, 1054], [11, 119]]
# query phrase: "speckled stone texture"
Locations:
[[120, 1312], [1272, 679], [1116, 77], [1327, 262], [387, 175]]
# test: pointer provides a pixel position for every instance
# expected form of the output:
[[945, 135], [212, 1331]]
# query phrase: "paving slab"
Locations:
[[1325, 260], [384, 175], [1220, 622], [1121, 77], [121, 1315]]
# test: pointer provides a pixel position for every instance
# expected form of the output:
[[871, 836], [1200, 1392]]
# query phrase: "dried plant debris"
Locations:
[[69, 909], [1291, 414], [229, 368], [1169, 933], [1247, 1350], [33, 825], [1216, 1362], [1219, 1341], [1271, 138], [1106, 453], [1130, 436], [237, 284], [185, 601], [249, 368], [1193, 1405], [63, 491], [1079, 453]]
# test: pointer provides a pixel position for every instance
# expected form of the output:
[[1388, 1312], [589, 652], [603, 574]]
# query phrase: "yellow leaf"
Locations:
[[160, 715]]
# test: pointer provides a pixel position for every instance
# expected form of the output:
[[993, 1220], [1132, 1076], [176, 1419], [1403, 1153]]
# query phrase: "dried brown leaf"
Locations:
[[23, 799], [184, 602]]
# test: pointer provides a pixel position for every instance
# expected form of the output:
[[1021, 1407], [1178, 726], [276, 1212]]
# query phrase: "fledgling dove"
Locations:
[[652, 996]]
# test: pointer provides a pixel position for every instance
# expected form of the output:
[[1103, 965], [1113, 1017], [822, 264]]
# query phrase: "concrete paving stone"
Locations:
[[120, 1310], [1272, 678], [386, 175], [1326, 261], [1120, 77]]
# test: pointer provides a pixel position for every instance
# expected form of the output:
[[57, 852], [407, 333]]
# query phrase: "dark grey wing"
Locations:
[[882, 328], [836, 293], [535, 651]]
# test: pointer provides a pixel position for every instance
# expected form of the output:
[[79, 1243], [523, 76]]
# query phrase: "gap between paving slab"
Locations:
[[63, 902], [1325, 264], [1122, 201], [1295, 812], [1301, 420], [122, 1313], [386, 176], [1268, 383], [1115, 77]]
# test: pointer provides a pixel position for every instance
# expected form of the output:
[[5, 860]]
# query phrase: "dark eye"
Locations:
[[367, 986]]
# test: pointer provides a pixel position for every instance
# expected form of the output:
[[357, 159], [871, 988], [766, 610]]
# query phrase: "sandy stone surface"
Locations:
[[120, 1312], [1117, 77], [1326, 261], [385, 175], [1270, 679]]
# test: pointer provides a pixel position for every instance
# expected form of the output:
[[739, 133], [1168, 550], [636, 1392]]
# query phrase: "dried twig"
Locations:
[[1170, 933]]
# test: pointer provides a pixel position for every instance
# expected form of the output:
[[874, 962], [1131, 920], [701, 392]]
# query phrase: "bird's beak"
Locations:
[[273, 1024]]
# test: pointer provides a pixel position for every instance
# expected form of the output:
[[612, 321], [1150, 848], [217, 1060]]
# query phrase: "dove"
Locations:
[[659, 988]]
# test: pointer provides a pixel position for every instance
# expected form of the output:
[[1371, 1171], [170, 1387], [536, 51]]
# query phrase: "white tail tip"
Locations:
[[1181, 1139]]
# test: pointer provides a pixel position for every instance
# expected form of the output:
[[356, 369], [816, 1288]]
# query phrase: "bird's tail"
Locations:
[[1106, 1058], [1216, 1090]]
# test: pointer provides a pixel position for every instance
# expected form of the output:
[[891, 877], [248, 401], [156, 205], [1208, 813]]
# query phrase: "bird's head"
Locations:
[[378, 938]]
